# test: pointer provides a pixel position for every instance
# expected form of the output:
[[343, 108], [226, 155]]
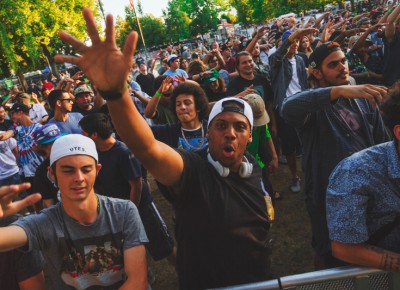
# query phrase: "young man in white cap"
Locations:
[[174, 70], [222, 223], [86, 239]]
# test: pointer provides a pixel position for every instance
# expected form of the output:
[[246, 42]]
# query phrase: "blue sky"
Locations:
[[116, 7]]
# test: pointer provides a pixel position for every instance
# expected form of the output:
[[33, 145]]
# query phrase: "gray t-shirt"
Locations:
[[83, 256]]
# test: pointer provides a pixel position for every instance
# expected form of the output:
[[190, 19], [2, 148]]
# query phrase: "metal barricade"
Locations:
[[343, 278]]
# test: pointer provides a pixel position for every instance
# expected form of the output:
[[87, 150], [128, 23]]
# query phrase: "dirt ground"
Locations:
[[291, 254]]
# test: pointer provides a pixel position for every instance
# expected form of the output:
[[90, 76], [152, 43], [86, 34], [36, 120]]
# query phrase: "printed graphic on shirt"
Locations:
[[192, 140], [93, 262]]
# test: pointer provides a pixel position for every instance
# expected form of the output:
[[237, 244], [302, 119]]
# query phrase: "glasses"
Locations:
[[68, 100]]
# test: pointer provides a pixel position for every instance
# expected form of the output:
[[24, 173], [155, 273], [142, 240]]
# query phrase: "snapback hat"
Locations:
[[212, 77], [140, 60], [257, 105], [228, 105], [170, 58], [321, 52], [73, 144], [47, 133], [19, 108]]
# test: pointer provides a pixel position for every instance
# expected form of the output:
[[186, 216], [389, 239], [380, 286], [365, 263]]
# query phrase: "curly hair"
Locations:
[[199, 96], [196, 67]]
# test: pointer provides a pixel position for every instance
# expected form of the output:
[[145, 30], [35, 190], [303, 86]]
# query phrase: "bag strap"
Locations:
[[385, 230]]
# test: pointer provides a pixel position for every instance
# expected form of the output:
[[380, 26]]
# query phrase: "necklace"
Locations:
[[192, 148], [98, 204]]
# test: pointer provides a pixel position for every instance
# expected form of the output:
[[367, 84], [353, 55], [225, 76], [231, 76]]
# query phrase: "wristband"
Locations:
[[112, 95], [158, 94]]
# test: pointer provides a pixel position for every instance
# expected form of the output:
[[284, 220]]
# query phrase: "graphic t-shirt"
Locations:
[[28, 159], [85, 256]]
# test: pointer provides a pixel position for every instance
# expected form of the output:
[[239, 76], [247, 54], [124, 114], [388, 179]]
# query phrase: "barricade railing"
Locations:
[[343, 278]]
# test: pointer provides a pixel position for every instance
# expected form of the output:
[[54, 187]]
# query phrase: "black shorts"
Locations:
[[160, 243], [290, 142]]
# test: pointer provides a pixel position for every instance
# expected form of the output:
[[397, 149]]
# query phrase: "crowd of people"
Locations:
[[210, 124]]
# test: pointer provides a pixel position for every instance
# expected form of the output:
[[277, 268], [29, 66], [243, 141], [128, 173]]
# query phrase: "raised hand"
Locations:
[[8, 193], [374, 94], [103, 62]]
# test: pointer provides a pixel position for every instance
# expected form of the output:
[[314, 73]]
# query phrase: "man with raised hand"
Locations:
[[333, 122], [222, 222], [86, 239]]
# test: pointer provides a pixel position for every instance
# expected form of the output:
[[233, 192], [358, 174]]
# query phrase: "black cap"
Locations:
[[19, 108], [195, 55], [321, 52], [140, 60]]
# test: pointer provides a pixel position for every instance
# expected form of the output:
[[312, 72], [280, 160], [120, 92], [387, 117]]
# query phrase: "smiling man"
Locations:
[[222, 222], [333, 122], [86, 239]]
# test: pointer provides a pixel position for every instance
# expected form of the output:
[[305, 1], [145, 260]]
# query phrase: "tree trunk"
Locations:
[[50, 61]]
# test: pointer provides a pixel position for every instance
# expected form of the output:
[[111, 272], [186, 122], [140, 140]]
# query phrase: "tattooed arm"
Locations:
[[367, 255]]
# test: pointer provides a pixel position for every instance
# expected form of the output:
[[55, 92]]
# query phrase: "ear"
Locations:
[[250, 138], [51, 174], [316, 73], [207, 134], [396, 132], [98, 167]]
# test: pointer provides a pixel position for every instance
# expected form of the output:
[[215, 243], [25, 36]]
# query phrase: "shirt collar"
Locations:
[[393, 161]]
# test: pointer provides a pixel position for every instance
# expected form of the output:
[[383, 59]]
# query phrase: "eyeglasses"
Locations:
[[68, 100]]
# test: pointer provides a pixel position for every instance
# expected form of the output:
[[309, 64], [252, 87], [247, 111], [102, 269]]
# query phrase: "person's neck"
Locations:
[[247, 76], [105, 145], [84, 212], [60, 116], [144, 72], [26, 121], [195, 124], [173, 69]]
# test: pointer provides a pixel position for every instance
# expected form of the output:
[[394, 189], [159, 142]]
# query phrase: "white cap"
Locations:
[[72, 144], [224, 106], [172, 57]]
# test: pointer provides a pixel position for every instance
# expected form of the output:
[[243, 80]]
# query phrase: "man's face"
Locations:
[[228, 136], [334, 70], [2, 114], [294, 47], [143, 68], [227, 53], [16, 117], [256, 50], [185, 108], [75, 177], [246, 65], [174, 64], [83, 101], [214, 45], [65, 102], [213, 62]]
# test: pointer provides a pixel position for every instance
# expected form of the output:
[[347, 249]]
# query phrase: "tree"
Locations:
[[28, 31], [176, 21], [244, 11]]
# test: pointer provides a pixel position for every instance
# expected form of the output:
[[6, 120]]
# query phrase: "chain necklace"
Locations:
[[192, 148]]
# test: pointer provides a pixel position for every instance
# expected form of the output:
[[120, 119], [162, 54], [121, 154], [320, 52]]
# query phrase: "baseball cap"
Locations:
[[72, 144], [83, 89], [286, 35], [19, 108], [212, 77], [227, 105], [321, 52], [23, 96], [195, 55], [172, 57], [47, 133], [140, 60], [257, 105]]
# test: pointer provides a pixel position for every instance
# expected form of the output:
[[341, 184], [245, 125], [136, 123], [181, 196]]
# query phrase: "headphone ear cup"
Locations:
[[222, 171], [245, 169]]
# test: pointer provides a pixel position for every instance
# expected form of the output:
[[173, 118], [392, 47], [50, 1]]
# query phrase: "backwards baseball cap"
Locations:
[[212, 77], [286, 35], [83, 89], [19, 108], [170, 58], [231, 104], [257, 105], [72, 144], [140, 60], [321, 52], [47, 133]]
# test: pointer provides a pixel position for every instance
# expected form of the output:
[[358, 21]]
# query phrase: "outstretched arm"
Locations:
[[108, 67]]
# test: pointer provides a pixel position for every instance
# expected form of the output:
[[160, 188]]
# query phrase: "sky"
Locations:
[[116, 7]]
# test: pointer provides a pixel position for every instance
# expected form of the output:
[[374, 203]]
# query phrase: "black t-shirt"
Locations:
[[146, 83], [76, 109], [221, 226], [16, 266], [118, 166], [5, 126], [42, 184], [213, 96], [260, 84]]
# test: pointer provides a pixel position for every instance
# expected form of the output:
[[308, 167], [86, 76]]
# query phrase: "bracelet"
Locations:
[[112, 95], [158, 94]]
